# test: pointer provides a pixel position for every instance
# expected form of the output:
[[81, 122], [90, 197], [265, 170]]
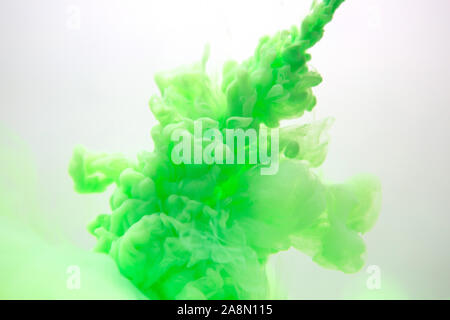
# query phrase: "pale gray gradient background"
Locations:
[[386, 75]]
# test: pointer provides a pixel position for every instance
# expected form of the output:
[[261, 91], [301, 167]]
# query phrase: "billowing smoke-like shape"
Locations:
[[195, 231]]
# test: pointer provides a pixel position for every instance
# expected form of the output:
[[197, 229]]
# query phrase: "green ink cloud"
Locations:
[[206, 231]]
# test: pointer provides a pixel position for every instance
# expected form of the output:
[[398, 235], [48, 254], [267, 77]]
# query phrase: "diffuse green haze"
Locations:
[[196, 231], [31, 265]]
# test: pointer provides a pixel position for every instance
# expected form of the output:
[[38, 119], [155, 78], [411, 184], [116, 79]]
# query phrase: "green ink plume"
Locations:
[[206, 231]]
